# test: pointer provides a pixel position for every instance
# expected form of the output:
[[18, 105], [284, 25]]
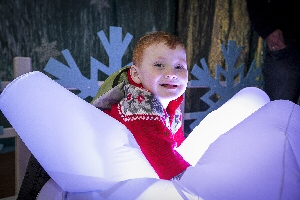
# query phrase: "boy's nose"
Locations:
[[171, 75]]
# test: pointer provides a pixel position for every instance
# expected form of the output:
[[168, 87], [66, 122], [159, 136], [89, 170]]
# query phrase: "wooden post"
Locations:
[[21, 65]]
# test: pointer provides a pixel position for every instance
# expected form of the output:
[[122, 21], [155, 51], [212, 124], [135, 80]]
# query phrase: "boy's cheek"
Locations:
[[186, 78]]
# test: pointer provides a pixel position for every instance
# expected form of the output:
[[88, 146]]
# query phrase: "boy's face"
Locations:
[[163, 71]]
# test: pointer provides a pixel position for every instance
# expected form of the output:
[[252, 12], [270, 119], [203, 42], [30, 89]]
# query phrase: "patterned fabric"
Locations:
[[141, 104], [157, 130], [113, 91]]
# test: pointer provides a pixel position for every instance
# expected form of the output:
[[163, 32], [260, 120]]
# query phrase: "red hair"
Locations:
[[169, 39]]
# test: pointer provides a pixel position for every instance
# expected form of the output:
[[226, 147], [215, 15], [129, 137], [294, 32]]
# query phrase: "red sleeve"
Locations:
[[157, 144]]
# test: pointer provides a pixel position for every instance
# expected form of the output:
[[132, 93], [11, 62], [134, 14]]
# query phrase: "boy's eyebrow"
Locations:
[[161, 57], [164, 58]]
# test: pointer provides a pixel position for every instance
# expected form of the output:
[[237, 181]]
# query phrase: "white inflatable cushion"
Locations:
[[257, 159], [91, 155], [81, 148]]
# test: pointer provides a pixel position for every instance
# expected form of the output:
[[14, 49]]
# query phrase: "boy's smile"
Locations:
[[163, 71], [169, 86]]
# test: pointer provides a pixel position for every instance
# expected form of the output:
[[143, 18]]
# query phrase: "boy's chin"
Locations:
[[169, 99]]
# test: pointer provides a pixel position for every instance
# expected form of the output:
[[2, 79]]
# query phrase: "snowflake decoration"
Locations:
[[47, 50], [223, 89], [100, 4], [71, 77]]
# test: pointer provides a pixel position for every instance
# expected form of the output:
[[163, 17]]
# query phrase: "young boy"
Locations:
[[146, 98]]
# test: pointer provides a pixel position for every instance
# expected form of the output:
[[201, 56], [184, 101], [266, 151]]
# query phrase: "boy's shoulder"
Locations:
[[111, 91], [114, 80], [141, 106], [140, 101]]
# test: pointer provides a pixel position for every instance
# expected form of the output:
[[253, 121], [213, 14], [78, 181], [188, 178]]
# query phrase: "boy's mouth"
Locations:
[[170, 86]]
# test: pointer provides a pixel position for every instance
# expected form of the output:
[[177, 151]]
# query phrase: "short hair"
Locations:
[[169, 39]]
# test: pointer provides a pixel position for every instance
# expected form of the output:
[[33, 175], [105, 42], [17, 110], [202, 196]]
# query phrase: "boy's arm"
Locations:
[[158, 146]]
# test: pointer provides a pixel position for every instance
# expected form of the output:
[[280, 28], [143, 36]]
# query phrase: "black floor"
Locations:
[[7, 174]]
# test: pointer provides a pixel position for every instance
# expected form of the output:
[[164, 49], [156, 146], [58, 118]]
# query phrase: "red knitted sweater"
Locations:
[[156, 130]]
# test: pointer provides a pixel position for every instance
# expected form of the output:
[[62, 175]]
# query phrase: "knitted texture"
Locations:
[[156, 130]]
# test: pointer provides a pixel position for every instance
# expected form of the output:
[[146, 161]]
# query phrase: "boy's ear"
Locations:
[[134, 74]]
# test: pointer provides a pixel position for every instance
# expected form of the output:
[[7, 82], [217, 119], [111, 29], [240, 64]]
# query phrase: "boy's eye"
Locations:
[[179, 67], [158, 65]]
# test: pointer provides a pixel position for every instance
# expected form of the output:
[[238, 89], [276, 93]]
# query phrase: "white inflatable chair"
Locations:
[[247, 149]]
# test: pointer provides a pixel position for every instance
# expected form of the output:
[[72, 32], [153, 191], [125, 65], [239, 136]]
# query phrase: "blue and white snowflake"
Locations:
[[71, 77], [223, 89]]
